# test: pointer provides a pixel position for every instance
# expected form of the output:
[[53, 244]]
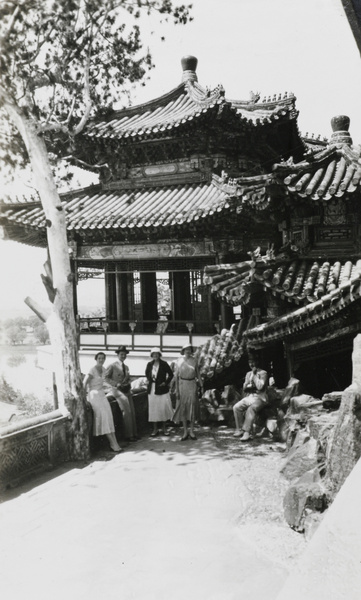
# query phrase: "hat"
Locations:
[[187, 346], [121, 349], [155, 350]]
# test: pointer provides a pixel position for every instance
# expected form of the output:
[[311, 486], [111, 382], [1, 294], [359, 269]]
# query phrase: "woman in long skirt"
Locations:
[[159, 375], [188, 380], [103, 422]]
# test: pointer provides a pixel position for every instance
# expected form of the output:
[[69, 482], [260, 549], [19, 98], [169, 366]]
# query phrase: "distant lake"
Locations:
[[18, 364]]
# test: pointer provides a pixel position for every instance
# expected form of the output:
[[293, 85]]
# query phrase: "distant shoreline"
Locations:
[[18, 348]]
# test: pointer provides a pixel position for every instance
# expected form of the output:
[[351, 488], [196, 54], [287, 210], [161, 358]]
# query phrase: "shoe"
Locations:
[[184, 438], [261, 433], [166, 433], [238, 434], [154, 434], [245, 437], [116, 451], [192, 436]]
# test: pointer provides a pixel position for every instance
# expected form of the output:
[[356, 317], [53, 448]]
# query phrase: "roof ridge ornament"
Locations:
[[189, 65], [340, 126]]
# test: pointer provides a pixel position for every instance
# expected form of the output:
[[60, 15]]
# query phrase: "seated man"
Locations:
[[117, 385], [245, 411]]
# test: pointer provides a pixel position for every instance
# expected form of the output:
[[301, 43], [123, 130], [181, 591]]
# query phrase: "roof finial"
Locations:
[[340, 126], [189, 66]]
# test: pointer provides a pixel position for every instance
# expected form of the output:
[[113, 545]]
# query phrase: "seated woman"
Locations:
[[103, 423]]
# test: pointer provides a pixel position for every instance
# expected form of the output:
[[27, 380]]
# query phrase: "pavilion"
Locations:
[[211, 211]]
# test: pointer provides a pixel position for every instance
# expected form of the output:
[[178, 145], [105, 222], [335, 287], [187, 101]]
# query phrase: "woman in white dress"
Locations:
[[103, 422], [159, 375], [187, 379]]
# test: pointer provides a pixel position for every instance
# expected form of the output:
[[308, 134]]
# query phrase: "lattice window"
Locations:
[[196, 283], [297, 236], [164, 300], [137, 291]]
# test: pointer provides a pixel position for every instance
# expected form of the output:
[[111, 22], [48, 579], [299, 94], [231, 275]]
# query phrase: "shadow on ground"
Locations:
[[212, 442]]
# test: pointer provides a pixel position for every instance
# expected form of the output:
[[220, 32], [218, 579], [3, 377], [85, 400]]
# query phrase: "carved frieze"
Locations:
[[157, 179], [135, 252], [223, 247], [334, 212], [19, 457], [334, 234]]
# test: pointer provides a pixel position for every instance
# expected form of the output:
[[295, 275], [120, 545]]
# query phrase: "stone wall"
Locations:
[[32, 444]]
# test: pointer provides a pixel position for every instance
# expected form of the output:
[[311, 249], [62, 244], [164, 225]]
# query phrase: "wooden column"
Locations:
[[182, 297], [225, 311], [122, 301], [289, 359], [149, 300], [110, 300]]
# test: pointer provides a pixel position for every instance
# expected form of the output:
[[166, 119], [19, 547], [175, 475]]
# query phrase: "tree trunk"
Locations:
[[61, 322]]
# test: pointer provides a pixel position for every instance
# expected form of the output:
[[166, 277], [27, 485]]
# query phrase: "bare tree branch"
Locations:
[[77, 161], [87, 96], [11, 25]]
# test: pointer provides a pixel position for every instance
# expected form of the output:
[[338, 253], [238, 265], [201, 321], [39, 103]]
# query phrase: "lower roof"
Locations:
[[306, 317], [300, 281], [322, 288], [99, 209]]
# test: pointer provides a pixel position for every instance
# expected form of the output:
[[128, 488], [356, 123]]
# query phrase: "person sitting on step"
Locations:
[[255, 389]]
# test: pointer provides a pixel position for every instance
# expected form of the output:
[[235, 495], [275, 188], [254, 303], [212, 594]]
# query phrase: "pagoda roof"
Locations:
[[328, 171], [298, 280], [144, 208], [325, 175], [218, 353], [187, 103], [322, 176], [346, 293]]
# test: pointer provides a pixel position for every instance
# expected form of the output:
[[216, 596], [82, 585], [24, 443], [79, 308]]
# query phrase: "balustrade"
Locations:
[[164, 333]]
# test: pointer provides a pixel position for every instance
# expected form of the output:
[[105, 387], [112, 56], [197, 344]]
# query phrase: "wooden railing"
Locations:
[[105, 333]]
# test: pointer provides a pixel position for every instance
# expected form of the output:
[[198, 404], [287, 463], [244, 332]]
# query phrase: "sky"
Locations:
[[266, 46]]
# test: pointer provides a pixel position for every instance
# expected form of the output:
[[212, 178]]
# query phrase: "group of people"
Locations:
[[114, 382]]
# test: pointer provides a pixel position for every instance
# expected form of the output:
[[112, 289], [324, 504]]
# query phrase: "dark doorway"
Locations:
[[326, 374]]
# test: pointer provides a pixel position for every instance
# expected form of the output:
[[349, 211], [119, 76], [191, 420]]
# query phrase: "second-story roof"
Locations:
[[188, 102]]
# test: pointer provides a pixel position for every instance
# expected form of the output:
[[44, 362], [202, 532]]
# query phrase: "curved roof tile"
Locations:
[[323, 175], [328, 305], [301, 281], [218, 354], [96, 208], [183, 104]]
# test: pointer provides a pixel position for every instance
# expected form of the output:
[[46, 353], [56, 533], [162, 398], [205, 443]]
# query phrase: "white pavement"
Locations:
[[157, 522]]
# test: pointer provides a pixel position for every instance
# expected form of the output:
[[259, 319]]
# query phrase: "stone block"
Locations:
[[332, 400], [344, 448], [311, 522], [300, 460], [303, 497]]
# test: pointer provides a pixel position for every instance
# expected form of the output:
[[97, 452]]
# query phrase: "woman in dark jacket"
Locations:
[[159, 375]]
